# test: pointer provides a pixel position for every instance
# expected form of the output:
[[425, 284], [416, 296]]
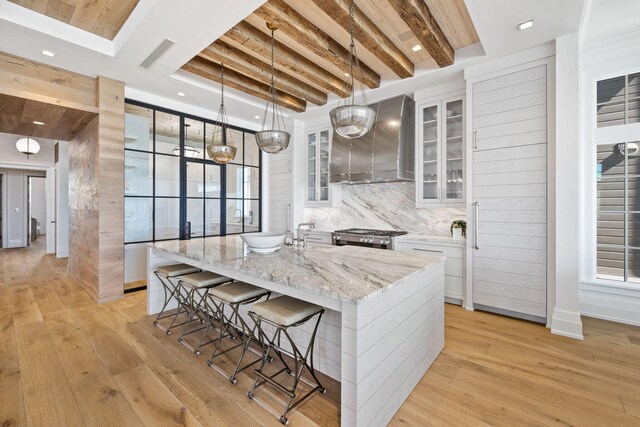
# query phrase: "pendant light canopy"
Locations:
[[352, 120], [219, 150], [28, 146], [189, 150], [275, 138]]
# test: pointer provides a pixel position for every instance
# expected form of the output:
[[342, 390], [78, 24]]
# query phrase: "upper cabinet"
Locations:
[[318, 155], [440, 152]]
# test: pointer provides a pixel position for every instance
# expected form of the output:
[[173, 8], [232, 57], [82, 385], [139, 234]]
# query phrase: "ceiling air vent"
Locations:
[[157, 53]]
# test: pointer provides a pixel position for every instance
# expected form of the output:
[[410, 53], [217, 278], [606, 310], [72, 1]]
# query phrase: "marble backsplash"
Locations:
[[388, 206]]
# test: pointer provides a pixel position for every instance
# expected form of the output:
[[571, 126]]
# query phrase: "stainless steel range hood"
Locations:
[[385, 154]]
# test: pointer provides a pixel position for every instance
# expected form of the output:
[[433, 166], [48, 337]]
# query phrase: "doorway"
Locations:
[[36, 211]]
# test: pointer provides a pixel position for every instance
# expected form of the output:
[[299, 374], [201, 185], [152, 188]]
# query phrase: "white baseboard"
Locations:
[[616, 303], [566, 323]]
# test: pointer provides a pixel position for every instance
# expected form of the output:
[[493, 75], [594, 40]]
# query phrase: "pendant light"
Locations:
[[352, 120], [219, 150], [189, 150], [274, 139], [28, 146]]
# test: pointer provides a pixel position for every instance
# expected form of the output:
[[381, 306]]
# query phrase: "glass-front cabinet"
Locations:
[[318, 152], [439, 152]]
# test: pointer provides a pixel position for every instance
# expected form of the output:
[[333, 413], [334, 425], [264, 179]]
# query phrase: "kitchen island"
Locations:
[[384, 321]]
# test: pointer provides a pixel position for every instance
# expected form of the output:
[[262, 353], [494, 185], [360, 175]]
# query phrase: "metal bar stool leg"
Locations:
[[233, 296], [283, 313], [168, 276]]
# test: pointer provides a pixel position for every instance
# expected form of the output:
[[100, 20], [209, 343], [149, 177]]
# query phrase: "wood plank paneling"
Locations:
[[43, 83], [17, 116], [103, 18]]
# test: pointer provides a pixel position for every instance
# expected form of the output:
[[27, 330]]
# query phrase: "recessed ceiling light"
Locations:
[[49, 53], [525, 25], [416, 48], [181, 94], [256, 117], [35, 122]]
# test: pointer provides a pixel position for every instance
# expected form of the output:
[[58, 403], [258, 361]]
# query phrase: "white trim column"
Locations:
[[565, 319]]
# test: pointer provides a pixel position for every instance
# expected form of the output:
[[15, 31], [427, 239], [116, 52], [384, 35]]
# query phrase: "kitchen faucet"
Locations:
[[311, 225]]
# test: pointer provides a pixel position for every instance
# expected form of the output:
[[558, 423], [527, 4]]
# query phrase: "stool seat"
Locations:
[[236, 292], [285, 310], [174, 270], [204, 279]]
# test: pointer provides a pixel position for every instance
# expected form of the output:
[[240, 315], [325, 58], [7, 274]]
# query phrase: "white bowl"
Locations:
[[262, 240]]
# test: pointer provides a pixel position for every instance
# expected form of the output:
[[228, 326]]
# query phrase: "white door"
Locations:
[[510, 194]]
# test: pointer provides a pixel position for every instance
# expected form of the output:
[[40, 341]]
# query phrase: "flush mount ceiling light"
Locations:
[[35, 122], [49, 53], [219, 150], [189, 150], [28, 146], [525, 25], [416, 48], [274, 139], [352, 120], [256, 117], [181, 94]]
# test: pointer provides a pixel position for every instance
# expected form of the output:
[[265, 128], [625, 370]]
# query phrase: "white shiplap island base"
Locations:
[[384, 321]]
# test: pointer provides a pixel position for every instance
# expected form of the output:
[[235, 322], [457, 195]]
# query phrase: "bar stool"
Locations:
[[283, 313], [230, 297], [165, 274], [195, 288]]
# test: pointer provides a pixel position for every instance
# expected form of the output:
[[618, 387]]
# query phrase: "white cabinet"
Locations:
[[440, 152], [509, 227], [318, 155], [454, 265]]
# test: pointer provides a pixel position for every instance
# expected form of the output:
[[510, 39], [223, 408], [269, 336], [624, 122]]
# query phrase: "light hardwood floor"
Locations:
[[67, 361]]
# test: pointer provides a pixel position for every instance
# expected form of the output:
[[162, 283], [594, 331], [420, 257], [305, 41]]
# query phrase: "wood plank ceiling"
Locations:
[[103, 18], [312, 44], [18, 114]]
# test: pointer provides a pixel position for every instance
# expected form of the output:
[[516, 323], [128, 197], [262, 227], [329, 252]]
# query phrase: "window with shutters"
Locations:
[[618, 101], [618, 211]]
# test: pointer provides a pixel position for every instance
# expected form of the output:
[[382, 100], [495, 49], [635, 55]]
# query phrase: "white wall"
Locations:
[[38, 208]]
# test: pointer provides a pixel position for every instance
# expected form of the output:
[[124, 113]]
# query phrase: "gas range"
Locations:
[[365, 237]]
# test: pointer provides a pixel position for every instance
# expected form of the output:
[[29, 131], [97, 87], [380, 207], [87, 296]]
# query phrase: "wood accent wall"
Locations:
[[96, 194], [110, 179], [84, 209]]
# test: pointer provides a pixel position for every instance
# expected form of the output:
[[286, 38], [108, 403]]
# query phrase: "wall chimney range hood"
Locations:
[[385, 153]]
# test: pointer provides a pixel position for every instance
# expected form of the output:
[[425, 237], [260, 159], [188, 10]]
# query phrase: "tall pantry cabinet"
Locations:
[[508, 210]]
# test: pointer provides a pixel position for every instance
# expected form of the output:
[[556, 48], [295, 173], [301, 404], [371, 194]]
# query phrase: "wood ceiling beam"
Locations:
[[369, 35], [259, 43], [233, 79], [313, 38], [240, 61], [418, 17]]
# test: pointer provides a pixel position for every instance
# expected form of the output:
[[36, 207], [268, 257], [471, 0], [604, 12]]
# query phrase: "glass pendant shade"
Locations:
[[28, 146], [352, 121], [275, 138], [273, 141], [189, 150], [219, 151]]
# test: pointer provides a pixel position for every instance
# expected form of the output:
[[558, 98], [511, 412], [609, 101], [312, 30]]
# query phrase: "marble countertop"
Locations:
[[345, 273], [431, 239]]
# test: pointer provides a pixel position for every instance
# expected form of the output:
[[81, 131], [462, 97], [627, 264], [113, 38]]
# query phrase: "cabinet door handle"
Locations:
[[475, 139], [475, 226], [427, 250]]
